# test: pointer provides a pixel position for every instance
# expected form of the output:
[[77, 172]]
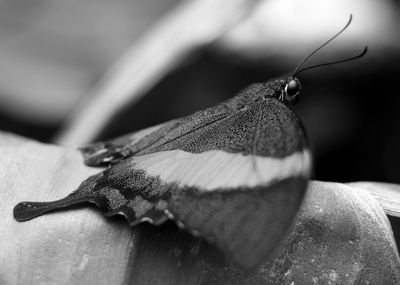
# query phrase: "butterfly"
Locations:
[[234, 174]]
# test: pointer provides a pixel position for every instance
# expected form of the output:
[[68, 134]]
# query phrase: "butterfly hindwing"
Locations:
[[235, 174]]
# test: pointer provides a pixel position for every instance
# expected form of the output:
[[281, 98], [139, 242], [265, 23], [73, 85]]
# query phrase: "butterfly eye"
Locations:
[[292, 90], [292, 87]]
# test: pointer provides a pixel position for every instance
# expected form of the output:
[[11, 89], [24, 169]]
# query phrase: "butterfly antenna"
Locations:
[[334, 62], [295, 71]]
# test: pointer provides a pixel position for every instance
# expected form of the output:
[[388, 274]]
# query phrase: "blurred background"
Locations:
[[53, 52]]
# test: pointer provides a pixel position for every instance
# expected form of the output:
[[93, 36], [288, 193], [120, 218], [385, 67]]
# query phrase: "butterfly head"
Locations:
[[286, 90]]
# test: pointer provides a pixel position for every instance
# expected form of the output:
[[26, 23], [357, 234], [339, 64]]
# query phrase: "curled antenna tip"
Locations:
[[364, 51], [349, 21]]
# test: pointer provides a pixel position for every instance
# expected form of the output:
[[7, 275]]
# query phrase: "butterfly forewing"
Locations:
[[113, 151]]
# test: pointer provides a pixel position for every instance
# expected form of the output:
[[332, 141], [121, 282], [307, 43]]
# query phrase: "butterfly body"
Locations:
[[235, 174]]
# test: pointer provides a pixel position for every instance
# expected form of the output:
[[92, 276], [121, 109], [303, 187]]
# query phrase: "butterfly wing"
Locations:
[[239, 181], [115, 150]]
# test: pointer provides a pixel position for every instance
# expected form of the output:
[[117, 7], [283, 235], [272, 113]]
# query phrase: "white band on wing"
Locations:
[[216, 169]]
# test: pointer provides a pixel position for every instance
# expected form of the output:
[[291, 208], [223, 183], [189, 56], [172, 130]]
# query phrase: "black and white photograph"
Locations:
[[199, 142]]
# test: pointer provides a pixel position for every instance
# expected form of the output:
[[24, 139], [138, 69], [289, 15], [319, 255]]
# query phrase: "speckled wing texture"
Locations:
[[234, 175]]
